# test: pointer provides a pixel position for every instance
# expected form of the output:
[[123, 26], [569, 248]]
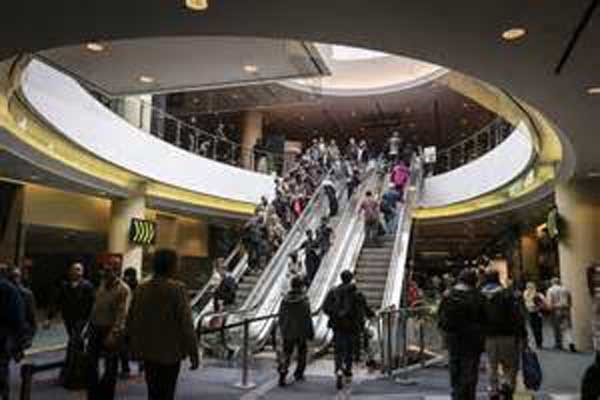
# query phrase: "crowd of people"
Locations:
[[118, 320], [478, 314]]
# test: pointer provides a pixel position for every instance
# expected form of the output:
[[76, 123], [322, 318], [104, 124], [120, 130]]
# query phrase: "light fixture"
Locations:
[[35, 177], [594, 90], [146, 79], [513, 34], [593, 174], [95, 47], [251, 68], [196, 5]]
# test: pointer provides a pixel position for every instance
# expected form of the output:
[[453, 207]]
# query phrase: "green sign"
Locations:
[[142, 231]]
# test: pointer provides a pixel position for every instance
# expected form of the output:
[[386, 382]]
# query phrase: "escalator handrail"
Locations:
[[392, 296]]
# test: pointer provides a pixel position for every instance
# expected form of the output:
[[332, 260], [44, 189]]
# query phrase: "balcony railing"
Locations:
[[473, 147]]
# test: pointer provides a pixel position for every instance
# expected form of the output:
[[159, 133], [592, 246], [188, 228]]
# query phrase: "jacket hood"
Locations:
[[295, 296], [490, 289]]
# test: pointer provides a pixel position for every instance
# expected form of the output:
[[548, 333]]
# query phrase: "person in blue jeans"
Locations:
[[389, 206], [343, 307]]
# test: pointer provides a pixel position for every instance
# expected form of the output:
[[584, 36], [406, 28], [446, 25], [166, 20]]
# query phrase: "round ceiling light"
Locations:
[[196, 5], [514, 34], [146, 79], [594, 90], [95, 47], [251, 68]]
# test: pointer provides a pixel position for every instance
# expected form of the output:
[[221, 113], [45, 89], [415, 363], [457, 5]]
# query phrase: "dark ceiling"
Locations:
[[429, 114]]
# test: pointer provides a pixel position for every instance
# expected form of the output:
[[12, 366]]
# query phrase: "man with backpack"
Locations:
[[296, 325], [226, 291], [343, 307], [505, 332], [461, 318]]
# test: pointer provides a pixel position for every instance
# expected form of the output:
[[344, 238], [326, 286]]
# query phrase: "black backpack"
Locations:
[[340, 307], [453, 311], [503, 313]]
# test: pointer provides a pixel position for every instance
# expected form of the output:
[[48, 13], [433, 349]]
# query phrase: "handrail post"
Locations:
[[245, 383], [26, 378], [389, 343]]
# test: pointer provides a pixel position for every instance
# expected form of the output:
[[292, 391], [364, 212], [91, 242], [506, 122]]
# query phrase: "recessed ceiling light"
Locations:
[[594, 90], [251, 68], [196, 5], [514, 34], [146, 79], [593, 174], [94, 47]]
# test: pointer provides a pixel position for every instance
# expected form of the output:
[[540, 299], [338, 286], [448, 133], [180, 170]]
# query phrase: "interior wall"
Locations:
[[51, 207]]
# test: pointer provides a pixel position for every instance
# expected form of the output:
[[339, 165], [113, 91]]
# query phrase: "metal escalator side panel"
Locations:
[[343, 255]]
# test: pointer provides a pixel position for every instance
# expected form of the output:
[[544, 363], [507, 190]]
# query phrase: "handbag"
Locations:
[[532, 371]]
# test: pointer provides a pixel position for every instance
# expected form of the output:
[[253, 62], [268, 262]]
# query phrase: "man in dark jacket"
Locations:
[[75, 300], [312, 259], [29, 303], [12, 325], [342, 306], [505, 334], [295, 323], [461, 317]]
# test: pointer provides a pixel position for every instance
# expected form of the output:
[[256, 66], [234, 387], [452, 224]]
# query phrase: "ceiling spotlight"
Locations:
[[594, 90], [146, 79], [514, 34], [196, 5], [94, 47], [251, 68]]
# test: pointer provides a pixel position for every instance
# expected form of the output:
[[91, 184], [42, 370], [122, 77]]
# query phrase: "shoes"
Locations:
[[281, 382], [572, 348], [300, 378], [339, 380]]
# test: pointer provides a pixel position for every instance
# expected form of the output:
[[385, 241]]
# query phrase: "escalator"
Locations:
[[253, 289]]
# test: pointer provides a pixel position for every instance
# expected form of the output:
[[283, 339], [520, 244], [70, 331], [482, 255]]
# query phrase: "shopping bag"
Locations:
[[532, 371]]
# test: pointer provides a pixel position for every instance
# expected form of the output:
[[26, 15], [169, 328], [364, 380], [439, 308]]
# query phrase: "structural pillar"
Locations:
[[137, 110], [579, 208], [529, 256], [252, 130], [122, 211]]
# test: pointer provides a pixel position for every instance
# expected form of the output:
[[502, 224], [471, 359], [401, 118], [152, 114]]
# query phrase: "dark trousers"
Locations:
[[536, 322], [288, 349], [161, 380], [101, 388], [343, 343], [4, 369], [333, 205], [464, 368], [312, 266]]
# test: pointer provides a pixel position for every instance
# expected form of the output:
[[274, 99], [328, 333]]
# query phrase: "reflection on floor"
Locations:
[[217, 379]]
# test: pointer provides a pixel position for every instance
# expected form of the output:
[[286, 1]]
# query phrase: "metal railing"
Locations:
[[215, 146], [472, 147]]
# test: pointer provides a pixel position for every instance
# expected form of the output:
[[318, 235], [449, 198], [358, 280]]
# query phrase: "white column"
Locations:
[[121, 213]]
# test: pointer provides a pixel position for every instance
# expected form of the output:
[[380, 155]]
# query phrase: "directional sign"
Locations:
[[142, 231]]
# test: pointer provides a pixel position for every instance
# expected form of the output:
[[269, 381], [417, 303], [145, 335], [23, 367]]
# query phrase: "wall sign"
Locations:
[[142, 231]]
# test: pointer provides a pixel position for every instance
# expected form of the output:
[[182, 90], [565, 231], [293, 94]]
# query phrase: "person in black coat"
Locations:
[[75, 300], [296, 326]]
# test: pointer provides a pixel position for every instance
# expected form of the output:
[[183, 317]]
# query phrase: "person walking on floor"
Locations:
[[108, 317], [341, 306], [12, 326], [560, 302], [505, 334], [535, 305], [161, 328], [30, 309], [130, 278], [461, 317], [296, 326], [75, 300]]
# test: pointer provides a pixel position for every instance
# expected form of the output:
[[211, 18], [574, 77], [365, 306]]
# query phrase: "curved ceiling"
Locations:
[[360, 72], [464, 35]]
